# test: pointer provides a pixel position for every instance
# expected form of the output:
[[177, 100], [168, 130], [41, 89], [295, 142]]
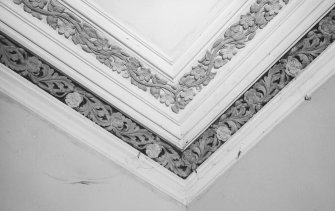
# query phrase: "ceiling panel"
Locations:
[[246, 80]]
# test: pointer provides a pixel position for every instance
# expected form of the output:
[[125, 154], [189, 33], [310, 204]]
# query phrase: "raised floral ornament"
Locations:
[[153, 150], [223, 133], [73, 99], [177, 96], [293, 67]]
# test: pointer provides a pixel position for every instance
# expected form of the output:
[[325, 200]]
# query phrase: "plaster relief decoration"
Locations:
[[177, 96], [182, 163]]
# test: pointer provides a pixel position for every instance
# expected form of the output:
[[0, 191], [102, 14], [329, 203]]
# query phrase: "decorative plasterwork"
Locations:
[[182, 163], [177, 96]]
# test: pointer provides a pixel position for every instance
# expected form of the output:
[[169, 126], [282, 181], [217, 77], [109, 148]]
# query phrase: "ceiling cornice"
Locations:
[[178, 95], [218, 137], [183, 128], [185, 162]]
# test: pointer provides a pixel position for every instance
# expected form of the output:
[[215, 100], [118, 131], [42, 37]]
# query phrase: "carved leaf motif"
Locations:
[[139, 85], [209, 78], [30, 66], [55, 6], [244, 30], [157, 80], [187, 80], [52, 21], [66, 28], [167, 98], [187, 94], [12, 57], [201, 149], [217, 42], [171, 160], [218, 62], [180, 163], [136, 136], [94, 109], [52, 82], [155, 92]]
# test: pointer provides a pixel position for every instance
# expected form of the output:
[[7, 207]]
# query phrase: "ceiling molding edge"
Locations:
[[90, 134], [261, 124], [213, 102], [176, 96], [114, 149], [106, 21], [84, 68], [89, 9], [295, 69], [148, 111]]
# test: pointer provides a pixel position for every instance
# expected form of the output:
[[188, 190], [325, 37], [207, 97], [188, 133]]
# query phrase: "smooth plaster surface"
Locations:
[[291, 169], [43, 169], [171, 25]]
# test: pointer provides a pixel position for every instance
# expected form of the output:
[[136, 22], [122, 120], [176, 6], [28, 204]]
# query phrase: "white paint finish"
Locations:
[[179, 129], [38, 163], [116, 150], [291, 169], [288, 170], [169, 67], [85, 69], [89, 133], [262, 123], [254, 60], [171, 25]]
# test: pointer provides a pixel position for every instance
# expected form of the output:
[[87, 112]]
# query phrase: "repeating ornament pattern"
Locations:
[[177, 96], [182, 163]]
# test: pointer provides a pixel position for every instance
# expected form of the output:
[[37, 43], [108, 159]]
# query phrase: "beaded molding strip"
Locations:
[[182, 163], [177, 96]]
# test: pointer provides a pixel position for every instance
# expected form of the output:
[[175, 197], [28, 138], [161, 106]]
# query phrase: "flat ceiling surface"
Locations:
[[171, 25]]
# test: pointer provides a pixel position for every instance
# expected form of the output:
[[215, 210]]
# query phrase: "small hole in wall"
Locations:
[[308, 98]]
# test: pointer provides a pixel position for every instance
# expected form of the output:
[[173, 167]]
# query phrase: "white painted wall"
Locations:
[[40, 167], [291, 169]]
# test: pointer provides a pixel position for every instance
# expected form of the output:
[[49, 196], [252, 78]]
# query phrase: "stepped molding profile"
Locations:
[[81, 108]]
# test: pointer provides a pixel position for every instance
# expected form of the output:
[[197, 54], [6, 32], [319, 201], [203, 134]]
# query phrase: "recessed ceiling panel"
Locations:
[[171, 25]]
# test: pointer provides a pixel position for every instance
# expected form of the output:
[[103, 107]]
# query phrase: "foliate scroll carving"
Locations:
[[268, 86], [182, 163], [53, 81], [177, 96]]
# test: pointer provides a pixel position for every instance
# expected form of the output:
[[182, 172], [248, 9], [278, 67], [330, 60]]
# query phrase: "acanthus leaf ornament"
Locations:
[[182, 163], [177, 96]]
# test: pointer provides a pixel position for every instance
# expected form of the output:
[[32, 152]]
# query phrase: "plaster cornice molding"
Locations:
[[110, 146], [172, 66], [85, 70], [181, 129], [292, 64], [182, 163], [90, 134], [227, 90], [177, 96]]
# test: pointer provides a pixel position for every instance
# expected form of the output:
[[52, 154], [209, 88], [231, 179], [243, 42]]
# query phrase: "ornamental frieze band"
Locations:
[[182, 163], [177, 96]]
